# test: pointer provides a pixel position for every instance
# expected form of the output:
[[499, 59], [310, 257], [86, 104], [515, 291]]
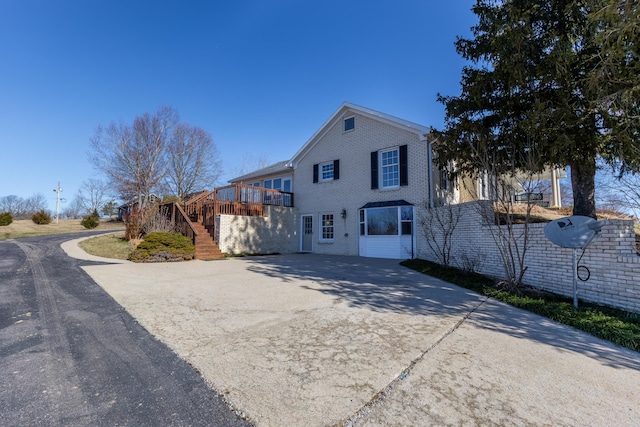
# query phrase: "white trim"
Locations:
[[302, 231], [344, 123], [321, 238], [321, 177], [381, 185]]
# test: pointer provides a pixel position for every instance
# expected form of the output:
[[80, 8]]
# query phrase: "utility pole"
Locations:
[[58, 191]]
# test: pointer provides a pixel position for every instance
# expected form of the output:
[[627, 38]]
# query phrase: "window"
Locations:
[[287, 186], [326, 227], [444, 180], [267, 183], [390, 168], [386, 221], [277, 184], [326, 171], [382, 222], [256, 184], [406, 219], [349, 124]]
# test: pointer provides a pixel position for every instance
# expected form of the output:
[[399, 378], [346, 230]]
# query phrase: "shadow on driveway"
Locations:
[[383, 285]]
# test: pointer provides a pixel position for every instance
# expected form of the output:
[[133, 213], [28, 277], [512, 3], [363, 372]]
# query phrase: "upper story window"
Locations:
[[349, 124], [326, 171], [390, 168]]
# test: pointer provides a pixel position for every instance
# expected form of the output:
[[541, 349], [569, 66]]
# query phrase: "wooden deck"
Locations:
[[197, 218]]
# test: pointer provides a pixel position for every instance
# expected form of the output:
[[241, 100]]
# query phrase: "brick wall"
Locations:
[[276, 232], [353, 189], [613, 264]]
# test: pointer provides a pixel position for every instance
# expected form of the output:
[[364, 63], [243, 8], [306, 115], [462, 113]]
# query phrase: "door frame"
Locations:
[[302, 218]]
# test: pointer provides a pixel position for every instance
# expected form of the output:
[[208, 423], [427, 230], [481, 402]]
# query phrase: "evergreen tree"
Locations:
[[527, 91]]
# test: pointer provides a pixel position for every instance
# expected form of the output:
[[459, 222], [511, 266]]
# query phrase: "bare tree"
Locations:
[[507, 223], [619, 193], [73, 210], [133, 157], [23, 208], [438, 226], [12, 204], [92, 195], [250, 163], [194, 162]]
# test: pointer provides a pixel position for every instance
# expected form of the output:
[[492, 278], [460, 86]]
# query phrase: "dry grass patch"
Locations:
[[108, 246], [27, 228]]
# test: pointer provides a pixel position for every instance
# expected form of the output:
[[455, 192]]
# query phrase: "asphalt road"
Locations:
[[70, 355]]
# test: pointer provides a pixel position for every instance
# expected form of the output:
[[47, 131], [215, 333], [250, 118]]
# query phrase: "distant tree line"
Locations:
[[21, 208]]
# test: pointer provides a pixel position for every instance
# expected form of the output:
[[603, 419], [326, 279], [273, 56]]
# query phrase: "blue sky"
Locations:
[[261, 76]]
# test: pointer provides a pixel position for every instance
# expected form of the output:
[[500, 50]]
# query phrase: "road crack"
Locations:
[[386, 391]]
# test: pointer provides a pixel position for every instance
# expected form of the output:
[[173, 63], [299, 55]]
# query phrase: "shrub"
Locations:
[[134, 224], [41, 217], [90, 221], [5, 218], [162, 247]]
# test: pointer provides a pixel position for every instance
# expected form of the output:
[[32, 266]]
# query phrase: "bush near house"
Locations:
[[5, 218], [41, 217], [163, 247], [91, 221]]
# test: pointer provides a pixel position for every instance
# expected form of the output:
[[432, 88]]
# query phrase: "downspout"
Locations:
[[430, 168]]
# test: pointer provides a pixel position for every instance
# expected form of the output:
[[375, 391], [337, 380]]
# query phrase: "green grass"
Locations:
[[109, 246], [618, 326], [27, 228]]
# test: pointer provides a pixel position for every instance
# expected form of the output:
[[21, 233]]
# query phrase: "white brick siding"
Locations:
[[613, 264], [353, 189], [276, 232]]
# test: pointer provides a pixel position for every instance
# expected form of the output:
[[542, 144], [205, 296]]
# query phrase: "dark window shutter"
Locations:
[[404, 173], [315, 173], [374, 170], [336, 169]]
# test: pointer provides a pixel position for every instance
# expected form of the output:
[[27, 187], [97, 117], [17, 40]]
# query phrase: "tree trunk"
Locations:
[[583, 184]]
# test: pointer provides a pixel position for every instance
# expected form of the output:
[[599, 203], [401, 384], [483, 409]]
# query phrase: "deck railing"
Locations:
[[236, 199], [173, 212]]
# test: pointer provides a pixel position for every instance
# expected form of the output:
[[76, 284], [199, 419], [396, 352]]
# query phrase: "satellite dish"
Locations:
[[575, 231]]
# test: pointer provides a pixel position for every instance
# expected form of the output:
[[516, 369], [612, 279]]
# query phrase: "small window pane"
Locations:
[[406, 213], [406, 227], [349, 124]]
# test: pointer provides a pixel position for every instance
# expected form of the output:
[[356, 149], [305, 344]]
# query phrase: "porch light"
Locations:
[[343, 214]]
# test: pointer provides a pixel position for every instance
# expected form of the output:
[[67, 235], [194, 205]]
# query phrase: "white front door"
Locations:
[[306, 241]]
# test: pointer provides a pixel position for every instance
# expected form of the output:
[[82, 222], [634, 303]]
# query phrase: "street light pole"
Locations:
[[58, 190]]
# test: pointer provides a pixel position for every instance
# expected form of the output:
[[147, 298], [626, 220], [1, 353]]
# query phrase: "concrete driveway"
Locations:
[[309, 340]]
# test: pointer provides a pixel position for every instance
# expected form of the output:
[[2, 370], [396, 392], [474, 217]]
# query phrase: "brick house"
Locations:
[[358, 182]]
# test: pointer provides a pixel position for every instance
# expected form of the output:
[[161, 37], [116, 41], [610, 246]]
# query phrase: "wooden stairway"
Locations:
[[206, 247]]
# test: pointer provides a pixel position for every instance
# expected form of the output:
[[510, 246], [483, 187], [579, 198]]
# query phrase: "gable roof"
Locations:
[[347, 107], [283, 166]]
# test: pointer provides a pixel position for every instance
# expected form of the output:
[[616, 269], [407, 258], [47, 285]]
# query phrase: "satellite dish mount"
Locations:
[[574, 232]]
